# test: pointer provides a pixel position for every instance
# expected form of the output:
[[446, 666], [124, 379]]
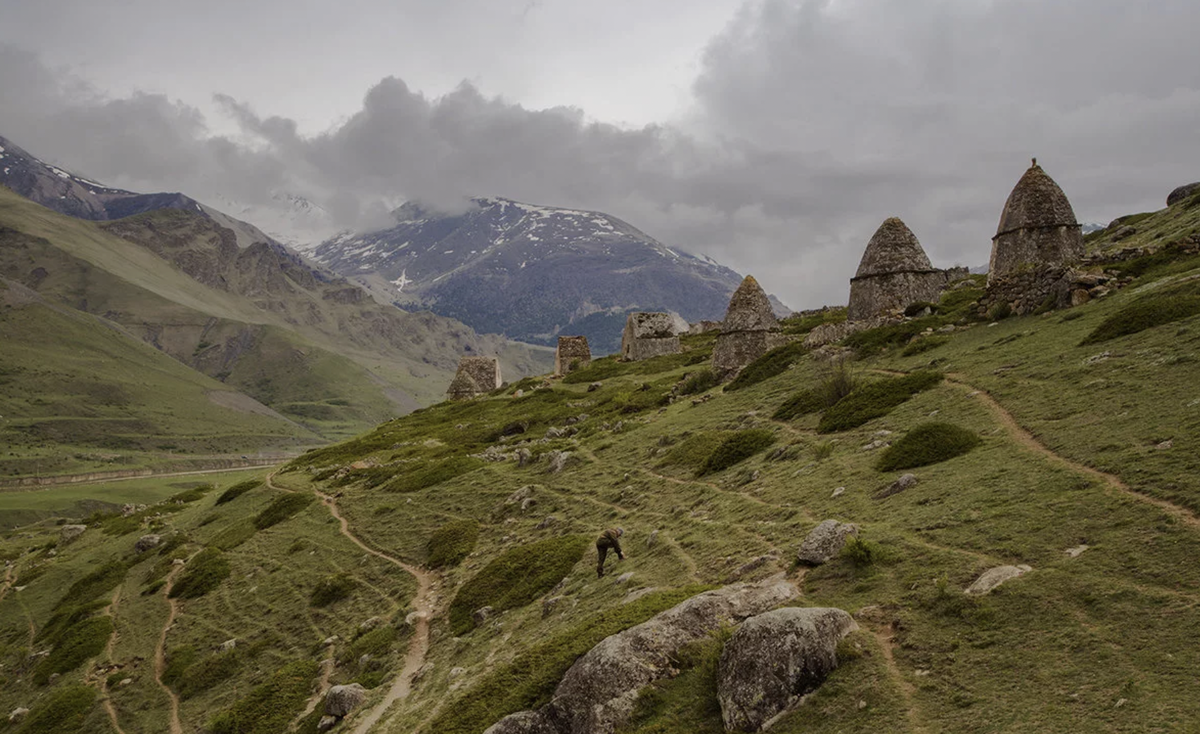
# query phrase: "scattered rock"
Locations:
[[993, 577], [549, 604], [17, 714], [752, 565], [652, 539], [527, 503], [524, 457], [1124, 232], [775, 658], [838, 492], [825, 541], [457, 671], [1165, 445], [146, 542], [125, 682], [876, 444], [907, 481], [482, 615], [1182, 193], [331, 640], [341, 700], [872, 613], [595, 386], [371, 623], [624, 578], [523, 722], [558, 461], [1097, 358], [547, 522], [1077, 551], [328, 722], [228, 645], [71, 532], [520, 495]]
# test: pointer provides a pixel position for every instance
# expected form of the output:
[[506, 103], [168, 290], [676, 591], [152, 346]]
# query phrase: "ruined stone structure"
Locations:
[[573, 353], [704, 326], [476, 376], [749, 330], [1037, 228], [894, 273], [649, 335]]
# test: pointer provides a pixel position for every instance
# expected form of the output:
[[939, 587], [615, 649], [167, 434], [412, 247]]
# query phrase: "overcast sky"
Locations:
[[773, 135]]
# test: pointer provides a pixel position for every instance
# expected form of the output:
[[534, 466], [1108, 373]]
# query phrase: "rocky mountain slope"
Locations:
[[530, 272], [967, 526]]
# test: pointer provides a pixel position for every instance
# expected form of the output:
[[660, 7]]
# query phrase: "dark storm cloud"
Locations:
[[813, 121]]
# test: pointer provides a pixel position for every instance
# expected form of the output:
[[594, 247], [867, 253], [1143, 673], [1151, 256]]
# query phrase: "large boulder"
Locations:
[[597, 694], [147, 542], [825, 542], [775, 658], [1182, 193], [341, 700], [70, 532]]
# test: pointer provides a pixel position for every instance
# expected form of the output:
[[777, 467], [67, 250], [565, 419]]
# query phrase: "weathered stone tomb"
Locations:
[[475, 376], [649, 335], [572, 354], [749, 330]]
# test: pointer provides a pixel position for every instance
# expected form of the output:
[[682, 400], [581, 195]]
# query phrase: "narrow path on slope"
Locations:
[[419, 645], [327, 666], [102, 681], [160, 650], [907, 690], [10, 575], [1029, 441]]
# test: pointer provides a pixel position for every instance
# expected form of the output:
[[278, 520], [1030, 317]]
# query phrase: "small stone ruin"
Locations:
[[749, 330], [894, 273], [649, 335], [572, 354], [1035, 245], [476, 376]]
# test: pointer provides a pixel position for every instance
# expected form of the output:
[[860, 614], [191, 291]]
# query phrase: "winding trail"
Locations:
[[10, 576], [160, 650], [327, 667], [419, 646], [907, 689], [105, 700], [1030, 442]]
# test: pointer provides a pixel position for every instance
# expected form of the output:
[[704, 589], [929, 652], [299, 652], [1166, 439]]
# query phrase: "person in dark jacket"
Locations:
[[608, 539]]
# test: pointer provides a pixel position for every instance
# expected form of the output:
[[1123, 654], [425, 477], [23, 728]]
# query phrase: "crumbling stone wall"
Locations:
[[475, 376], [649, 335], [873, 295], [573, 353]]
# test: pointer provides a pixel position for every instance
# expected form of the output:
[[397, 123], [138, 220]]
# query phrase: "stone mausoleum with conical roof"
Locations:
[[894, 273], [749, 330], [1036, 243], [475, 376]]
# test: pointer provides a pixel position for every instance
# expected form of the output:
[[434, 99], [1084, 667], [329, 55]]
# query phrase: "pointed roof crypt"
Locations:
[[894, 273], [1037, 226], [893, 249]]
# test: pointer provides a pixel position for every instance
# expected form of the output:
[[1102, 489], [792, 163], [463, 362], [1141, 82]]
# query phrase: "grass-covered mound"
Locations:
[[699, 382], [332, 589], [875, 400], [282, 508], [736, 448], [431, 474], [79, 643], [805, 402], [63, 710], [928, 443], [234, 535], [452, 542], [694, 449], [515, 578], [271, 705], [774, 362], [1154, 309], [101, 581], [529, 680], [609, 367], [195, 494], [237, 490], [201, 575]]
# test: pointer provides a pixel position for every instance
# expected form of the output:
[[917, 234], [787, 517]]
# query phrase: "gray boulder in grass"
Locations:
[[341, 700], [775, 658], [825, 542]]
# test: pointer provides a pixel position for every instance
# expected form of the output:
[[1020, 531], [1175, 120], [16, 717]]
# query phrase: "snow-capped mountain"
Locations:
[[530, 272], [76, 196], [291, 219]]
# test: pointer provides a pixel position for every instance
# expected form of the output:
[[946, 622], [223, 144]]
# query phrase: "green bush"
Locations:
[[66, 617], [65, 709], [282, 508], [927, 444], [924, 344], [377, 643], [238, 490], [736, 448], [874, 341], [233, 536], [179, 659], [271, 705], [432, 474], [332, 589], [875, 400], [774, 362], [699, 382], [835, 383], [194, 494], [529, 680], [515, 578], [694, 449], [801, 324], [202, 574], [101, 581], [805, 402], [452, 542], [208, 673], [1154, 309], [81, 642]]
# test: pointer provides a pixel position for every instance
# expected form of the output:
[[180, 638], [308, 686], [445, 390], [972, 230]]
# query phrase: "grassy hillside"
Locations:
[[1027, 440]]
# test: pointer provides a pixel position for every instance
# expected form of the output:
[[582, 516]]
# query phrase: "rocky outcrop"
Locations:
[[993, 577], [775, 658], [906, 481], [70, 532], [341, 700], [1182, 193], [146, 542], [825, 542], [749, 330], [649, 335], [597, 694]]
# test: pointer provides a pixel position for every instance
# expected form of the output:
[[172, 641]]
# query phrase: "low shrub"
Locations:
[[101, 581], [801, 324], [875, 400], [452, 542], [179, 659], [81, 642], [736, 448], [924, 344], [65, 618], [282, 508], [928, 443], [701, 381], [432, 474], [194, 494], [773, 363], [805, 402], [377, 643], [233, 536], [529, 680], [873, 341], [65, 709], [694, 449], [1154, 309], [836, 382], [202, 574], [515, 578], [237, 490], [332, 589], [206, 674], [271, 705]]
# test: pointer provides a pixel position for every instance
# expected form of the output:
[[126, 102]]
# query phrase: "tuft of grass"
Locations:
[[234, 535], [928, 443], [81, 642], [65, 709], [694, 449], [208, 673], [179, 659], [515, 578], [1149, 311], [432, 474], [736, 448], [201, 575], [875, 400], [702, 381], [873, 341], [237, 490], [195, 494], [805, 402], [271, 705], [282, 508], [332, 589], [924, 344], [452, 542], [773, 363]]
